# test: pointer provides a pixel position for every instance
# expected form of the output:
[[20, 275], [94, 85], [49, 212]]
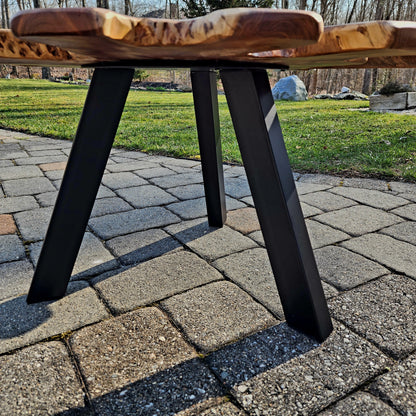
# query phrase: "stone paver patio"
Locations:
[[165, 315]]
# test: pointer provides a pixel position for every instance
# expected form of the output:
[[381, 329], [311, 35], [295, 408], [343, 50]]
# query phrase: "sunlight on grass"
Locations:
[[321, 135]]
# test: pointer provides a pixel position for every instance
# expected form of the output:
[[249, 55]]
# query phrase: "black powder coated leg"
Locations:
[[204, 87], [97, 128], [273, 189]]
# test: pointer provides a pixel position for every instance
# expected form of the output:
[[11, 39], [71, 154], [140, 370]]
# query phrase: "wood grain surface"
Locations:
[[107, 36], [18, 52], [358, 45]]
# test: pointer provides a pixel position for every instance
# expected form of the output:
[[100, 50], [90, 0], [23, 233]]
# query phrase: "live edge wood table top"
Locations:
[[237, 37], [107, 37], [238, 42]]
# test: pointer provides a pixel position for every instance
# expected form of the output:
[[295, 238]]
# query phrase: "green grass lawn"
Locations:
[[321, 136]]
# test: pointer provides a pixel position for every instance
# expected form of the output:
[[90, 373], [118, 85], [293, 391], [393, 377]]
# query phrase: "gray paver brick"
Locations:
[[139, 364], [188, 191], [27, 186], [122, 180], [106, 206], [257, 236], [180, 179], [405, 231], [382, 311], [129, 166], [11, 248], [394, 254], [141, 246], [360, 403], [282, 372], [370, 197], [15, 278], [398, 386], [13, 154], [185, 163], [93, 258], [210, 243], [40, 159], [47, 199], [45, 143], [345, 269], [408, 196], [16, 204], [303, 188], [312, 178], [309, 211], [112, 225], [114, 353], [39, 380], [403, 187], [46, 152], [146, 196], [226, 409], [408, 211], [244, 220], [322, 235], [4, 163], [216, 314], [134, 154], [154, 280], [155, 172], [235, 170], [366, 183], [19, 172], [104, 192], [251, 270], [237, 187], [24, 324], [54, 175], [33, 224], [358, 220], [248, 200], [326, 201], [195, 208]]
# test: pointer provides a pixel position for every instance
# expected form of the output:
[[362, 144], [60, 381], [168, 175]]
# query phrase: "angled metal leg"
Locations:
[[85, 168], [270, 177], [204, 87]]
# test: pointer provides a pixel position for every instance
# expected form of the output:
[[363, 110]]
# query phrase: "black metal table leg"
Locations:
[[204, 87], [90, 150], [273, 189]]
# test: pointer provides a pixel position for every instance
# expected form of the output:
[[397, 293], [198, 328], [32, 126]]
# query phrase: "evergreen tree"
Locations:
[[194, 8]]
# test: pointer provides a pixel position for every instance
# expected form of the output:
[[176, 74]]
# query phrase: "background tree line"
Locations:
[[332, 11]]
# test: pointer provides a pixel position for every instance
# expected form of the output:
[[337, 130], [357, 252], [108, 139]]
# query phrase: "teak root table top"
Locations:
[[105, 36], [237, 37]]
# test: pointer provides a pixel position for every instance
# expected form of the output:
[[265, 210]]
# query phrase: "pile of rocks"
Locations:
[[345, 94]]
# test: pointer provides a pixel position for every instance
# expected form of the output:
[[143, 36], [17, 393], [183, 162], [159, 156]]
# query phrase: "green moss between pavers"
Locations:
[[321, 135]]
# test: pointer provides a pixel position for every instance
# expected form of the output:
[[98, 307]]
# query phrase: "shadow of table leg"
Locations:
[[90, 150], [273, 189], [204, 88]]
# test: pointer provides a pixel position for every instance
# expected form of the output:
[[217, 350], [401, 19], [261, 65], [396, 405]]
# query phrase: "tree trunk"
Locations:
[[366, 82], [374, 81], [127, 7], [314, 81], [46, 73]]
